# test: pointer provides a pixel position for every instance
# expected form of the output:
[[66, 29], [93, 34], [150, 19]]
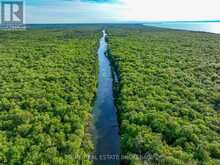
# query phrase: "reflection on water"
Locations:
[[212, 27], [105, 118]]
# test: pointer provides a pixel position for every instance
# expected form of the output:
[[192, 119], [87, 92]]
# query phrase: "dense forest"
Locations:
[[169, 96], [47, 88], [168, 102]]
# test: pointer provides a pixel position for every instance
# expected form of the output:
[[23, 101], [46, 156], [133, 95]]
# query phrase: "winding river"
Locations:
[[107, 139]]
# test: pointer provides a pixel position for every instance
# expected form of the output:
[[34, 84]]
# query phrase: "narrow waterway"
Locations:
[[107, 140]]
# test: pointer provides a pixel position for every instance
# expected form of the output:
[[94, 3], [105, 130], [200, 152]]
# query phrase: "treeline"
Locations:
[[169, 100], [47, 88]]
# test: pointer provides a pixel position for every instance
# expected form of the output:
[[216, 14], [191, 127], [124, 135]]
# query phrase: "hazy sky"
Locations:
[[94, 11]]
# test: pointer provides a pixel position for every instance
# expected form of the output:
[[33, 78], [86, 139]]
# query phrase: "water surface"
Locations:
[[105, 118], [212, 27]]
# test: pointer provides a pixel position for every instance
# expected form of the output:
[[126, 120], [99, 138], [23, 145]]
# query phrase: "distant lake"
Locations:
[[212, 27]]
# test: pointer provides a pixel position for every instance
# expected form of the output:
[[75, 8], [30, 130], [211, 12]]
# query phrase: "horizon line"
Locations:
[[121, 22]]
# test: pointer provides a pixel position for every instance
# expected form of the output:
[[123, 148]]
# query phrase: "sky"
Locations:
[[107, 11]]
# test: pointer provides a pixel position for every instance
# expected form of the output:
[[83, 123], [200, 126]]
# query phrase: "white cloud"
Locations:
[[71, 12], [126, 10], [170, 9]]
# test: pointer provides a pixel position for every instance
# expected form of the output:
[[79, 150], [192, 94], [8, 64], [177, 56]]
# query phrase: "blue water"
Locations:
[[107, 139], [211, 27]]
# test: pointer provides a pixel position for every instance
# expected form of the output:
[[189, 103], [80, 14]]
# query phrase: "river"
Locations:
[[107, 139]]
